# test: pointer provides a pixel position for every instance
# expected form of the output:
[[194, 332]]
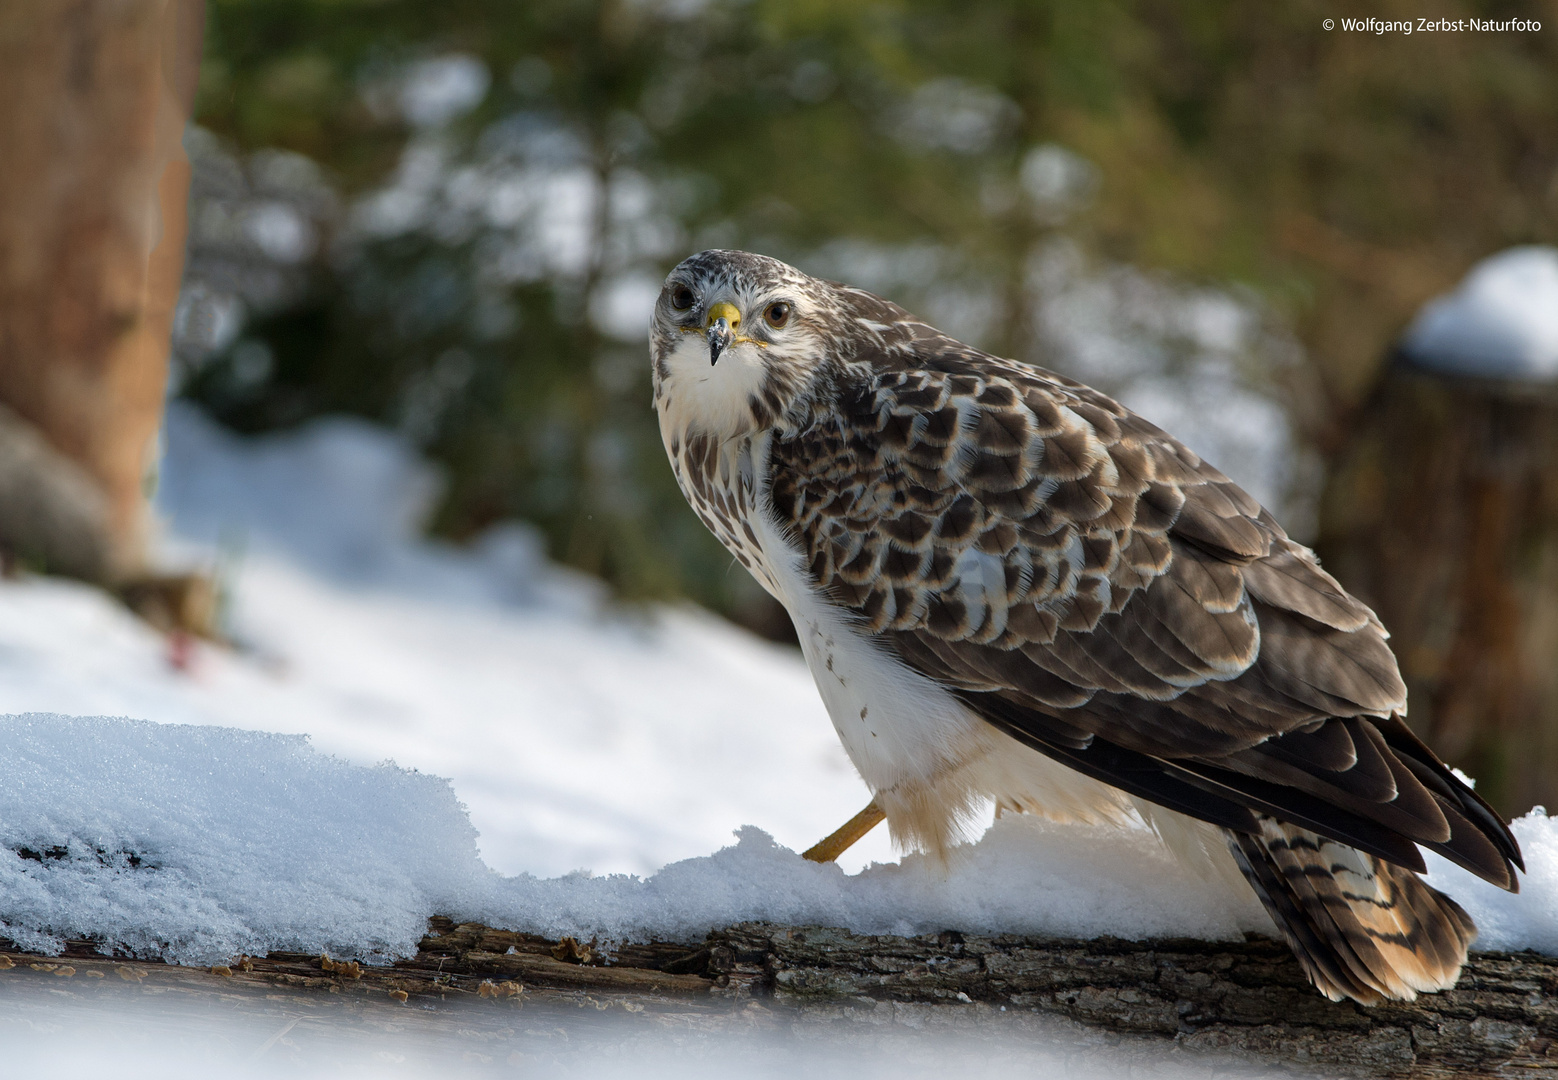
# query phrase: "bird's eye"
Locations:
[[682, 298], [777, 314]]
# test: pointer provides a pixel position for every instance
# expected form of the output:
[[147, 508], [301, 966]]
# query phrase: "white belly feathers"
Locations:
[[933, 765]]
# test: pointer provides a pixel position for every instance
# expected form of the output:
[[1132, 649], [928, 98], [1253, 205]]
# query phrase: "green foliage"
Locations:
[[1345, 177]]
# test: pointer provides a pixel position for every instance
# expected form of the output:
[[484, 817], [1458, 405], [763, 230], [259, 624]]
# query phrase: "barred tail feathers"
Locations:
[[1361, 927]]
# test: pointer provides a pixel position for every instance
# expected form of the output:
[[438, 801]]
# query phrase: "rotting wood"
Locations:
[[1249, 999]]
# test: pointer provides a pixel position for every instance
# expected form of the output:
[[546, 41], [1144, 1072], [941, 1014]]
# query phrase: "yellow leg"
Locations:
[[852, 830]]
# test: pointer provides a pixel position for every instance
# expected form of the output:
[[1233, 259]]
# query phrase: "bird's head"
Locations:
[[735, 339]]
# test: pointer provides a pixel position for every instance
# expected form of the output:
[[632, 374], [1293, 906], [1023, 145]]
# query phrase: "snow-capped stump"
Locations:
[[1441, 513], [1501, 323]]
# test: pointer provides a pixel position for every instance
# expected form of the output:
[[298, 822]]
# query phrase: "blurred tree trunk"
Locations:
[[92, 222], [1442, 514]]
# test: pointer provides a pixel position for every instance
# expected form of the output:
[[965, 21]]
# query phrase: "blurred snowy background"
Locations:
[[581, 735]]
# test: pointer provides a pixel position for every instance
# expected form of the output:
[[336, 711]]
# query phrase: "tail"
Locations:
[[1361, 927]]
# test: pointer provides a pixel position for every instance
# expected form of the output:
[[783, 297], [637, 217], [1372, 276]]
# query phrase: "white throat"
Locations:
[[696, 396]]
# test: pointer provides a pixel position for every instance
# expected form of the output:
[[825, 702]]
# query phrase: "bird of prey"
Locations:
[[1009, 587]]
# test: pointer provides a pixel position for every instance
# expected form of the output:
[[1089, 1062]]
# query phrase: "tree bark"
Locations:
[[1442, 514], [1144, 999], [92, 223]]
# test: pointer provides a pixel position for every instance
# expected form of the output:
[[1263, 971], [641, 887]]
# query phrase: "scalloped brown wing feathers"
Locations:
[[1045, 541]]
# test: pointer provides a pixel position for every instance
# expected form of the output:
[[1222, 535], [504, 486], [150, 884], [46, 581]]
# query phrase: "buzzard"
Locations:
[[1009, 587]]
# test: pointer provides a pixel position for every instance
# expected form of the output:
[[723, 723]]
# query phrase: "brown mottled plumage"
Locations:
[[972, 546]]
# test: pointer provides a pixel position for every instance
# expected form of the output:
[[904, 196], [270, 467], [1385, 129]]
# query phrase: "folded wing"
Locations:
[[1087, 584]]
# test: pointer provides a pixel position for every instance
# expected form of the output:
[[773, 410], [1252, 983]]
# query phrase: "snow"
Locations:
[[441, 88], [578, 735], [198, 844], [1528, 920], [571, 733], [1026, 876], [1501, 322]]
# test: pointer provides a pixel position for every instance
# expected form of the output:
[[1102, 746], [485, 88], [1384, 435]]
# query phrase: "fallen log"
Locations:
[[1244, 999]]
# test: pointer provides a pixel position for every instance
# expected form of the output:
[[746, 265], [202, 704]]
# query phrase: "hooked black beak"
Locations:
[[720, 329], [720, 335]]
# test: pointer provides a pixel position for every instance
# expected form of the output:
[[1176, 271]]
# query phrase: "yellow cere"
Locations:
[[723, 310]]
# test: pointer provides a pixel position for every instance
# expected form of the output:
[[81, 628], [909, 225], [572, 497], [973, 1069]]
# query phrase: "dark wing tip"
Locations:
[[1481, 840]]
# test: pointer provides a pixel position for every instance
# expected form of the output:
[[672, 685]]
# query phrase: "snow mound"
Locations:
[[197, 844], [1500, 323], [1505, 921], [1026, 876]]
